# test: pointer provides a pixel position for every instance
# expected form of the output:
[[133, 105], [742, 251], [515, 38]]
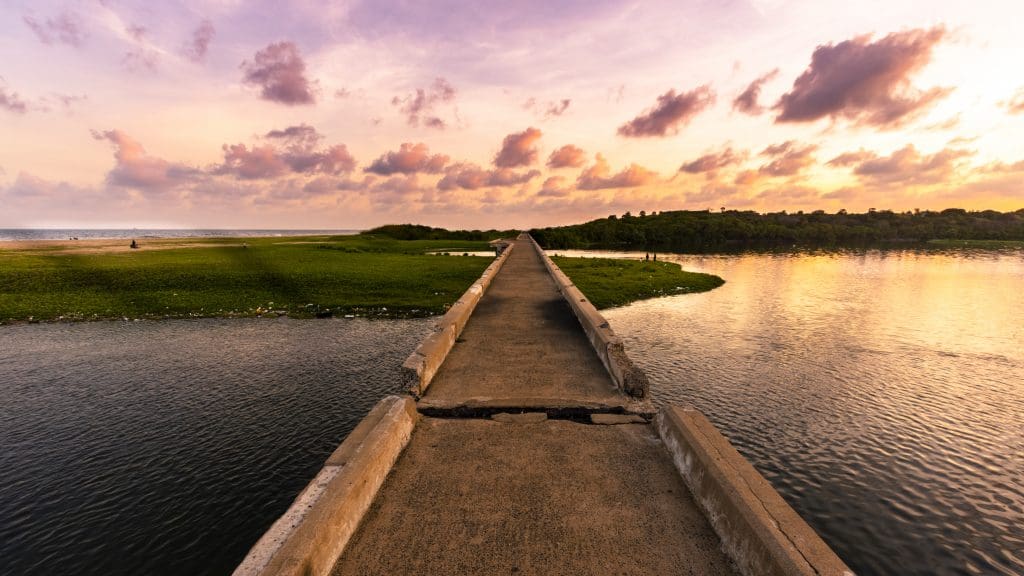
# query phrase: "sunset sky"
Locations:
[[289, 114]]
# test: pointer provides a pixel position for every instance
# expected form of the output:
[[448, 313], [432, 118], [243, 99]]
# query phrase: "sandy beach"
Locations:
[[113, 245]]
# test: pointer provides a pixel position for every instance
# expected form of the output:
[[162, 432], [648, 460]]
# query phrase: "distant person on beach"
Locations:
[[134, 244]]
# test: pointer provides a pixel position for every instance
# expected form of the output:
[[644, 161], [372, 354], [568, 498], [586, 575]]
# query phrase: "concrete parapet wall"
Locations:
[[311, 535], [758, 529], [608, 346], [421, 366]]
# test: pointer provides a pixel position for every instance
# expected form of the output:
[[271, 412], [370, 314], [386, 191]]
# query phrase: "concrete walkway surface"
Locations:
[[524, 494], [476, 496], [523, 346]]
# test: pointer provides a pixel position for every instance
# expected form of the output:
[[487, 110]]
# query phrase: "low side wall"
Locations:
[[608, 346], [419, 368], [311, 535], [762, 534]]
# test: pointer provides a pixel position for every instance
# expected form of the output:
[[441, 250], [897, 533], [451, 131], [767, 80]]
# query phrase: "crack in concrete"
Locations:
[[576, 414]]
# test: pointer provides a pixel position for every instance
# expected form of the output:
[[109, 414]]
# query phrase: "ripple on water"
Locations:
[[882, 396], [169, 447]]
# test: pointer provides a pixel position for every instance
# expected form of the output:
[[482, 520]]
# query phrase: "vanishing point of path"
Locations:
[[519, 493], [523, 346]]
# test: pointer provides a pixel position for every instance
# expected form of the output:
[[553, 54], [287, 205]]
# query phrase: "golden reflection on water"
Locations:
[[882, 393], [959, 302]]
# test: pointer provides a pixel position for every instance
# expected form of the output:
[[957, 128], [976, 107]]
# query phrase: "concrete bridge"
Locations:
[[527, 445]]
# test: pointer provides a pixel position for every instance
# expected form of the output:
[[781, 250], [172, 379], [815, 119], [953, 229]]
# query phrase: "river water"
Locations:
[[882, 393], [169, 447]]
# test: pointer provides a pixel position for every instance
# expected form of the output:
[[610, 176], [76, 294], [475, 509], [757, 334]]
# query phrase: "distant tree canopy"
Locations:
[[698, 231], [419, 232]]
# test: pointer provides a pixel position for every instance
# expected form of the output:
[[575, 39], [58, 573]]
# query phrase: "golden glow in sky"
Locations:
[[274, 114]]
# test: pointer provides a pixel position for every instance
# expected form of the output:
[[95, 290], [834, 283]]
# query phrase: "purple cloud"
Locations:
[[712, 162], [865, 82], [197, 47], [419, 106], [550, 110], [557, 108], [554, 187], [567, 156], [788, 158], [906, 165], [600, 177], [851, 158], [748, 102], [295, 149], [252, 164], [397, 190], [65, 28], [136, 169], [671, 112], [280, 73], [69, 100], [518, 149], [301, 137], [472, 177], [12, 102], [408, 159]]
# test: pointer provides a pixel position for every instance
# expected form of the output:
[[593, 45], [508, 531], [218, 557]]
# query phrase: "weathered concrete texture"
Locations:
[[311, 534], [606, 343], [523, 342], [419, 368], [761, 532], [546, 497]]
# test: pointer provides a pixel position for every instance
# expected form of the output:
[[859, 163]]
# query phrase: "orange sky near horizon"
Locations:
[[297, 114]]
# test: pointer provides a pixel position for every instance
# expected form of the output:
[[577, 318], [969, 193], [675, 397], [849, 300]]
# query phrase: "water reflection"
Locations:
[[881, 392]]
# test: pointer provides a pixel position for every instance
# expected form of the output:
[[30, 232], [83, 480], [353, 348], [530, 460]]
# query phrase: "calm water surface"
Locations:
[[168, 447], [882, 393]]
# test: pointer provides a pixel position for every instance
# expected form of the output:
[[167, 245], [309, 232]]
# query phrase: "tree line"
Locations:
[[727, 230], [420, 232]]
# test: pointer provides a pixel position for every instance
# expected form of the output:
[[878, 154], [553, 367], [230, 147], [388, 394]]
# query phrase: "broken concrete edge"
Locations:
[[595, 418], [311, 535], [420, 367], [520, 418], [626, 375], [555, 408], [760, 532]]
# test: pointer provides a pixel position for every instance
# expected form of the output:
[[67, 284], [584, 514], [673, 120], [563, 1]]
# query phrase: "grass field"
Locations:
[[611, 282], [300, 276]]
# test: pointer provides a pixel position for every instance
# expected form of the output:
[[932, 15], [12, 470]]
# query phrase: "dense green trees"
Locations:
[[420, 232], [697, 231]]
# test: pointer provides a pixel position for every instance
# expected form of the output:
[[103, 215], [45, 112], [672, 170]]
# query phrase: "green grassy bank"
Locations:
[[611, 282], [301, 276]]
